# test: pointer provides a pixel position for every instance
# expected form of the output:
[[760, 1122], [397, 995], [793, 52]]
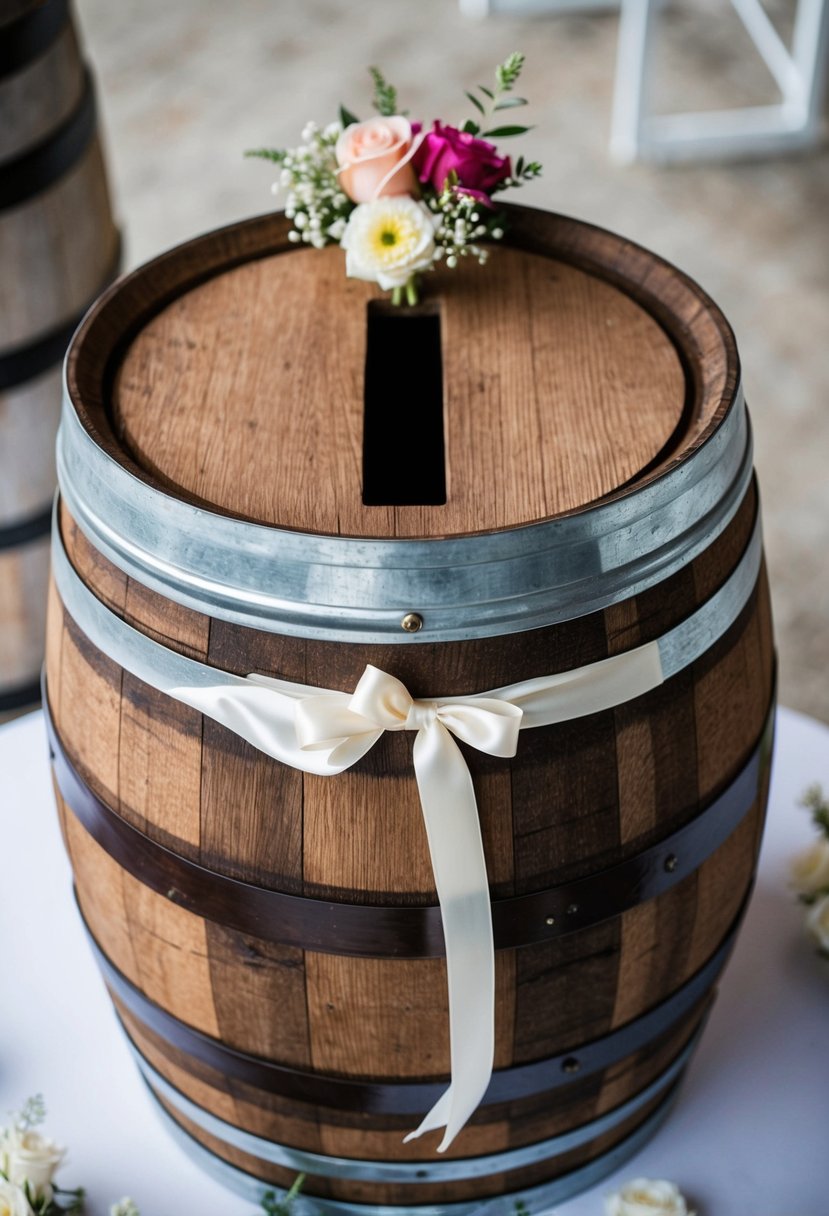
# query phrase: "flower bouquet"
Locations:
[[401, 197]]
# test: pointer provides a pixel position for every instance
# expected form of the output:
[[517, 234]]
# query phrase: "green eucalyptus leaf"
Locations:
[[470, 127], [509, 103], [503, 132], [489, 93], [275, 154], [476, 103]]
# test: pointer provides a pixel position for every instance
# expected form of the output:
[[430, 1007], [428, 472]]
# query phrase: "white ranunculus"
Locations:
[[389, 240], [810, 869], [26, 1156], [13, 1202], [647, 1197], [817, 922]]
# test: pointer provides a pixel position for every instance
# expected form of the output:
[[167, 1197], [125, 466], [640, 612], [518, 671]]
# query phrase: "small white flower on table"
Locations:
[[13, 1201], [647, 1197], [810, 868]]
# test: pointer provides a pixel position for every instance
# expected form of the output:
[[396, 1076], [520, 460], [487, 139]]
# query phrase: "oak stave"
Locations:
[[579, 797], [58, 248]]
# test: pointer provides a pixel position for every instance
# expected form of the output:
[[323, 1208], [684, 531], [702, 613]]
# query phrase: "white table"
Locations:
[[748, 1136]]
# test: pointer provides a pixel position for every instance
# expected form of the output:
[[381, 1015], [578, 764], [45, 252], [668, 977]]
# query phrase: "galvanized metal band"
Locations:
[[165, 669], [29, 36], [348, 589], [388, 931], [40, 167], [534, 1199], [22, 363], [24, 531], [410, 1097], [417, 1173]]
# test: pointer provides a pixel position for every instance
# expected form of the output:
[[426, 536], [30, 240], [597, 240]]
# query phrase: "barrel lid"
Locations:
[[580, 381], [249, 393]]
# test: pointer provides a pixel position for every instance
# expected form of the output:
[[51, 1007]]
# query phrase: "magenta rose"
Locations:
[[477, 163]]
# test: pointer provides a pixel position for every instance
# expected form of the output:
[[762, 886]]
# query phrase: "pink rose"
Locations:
[[477, 163], [374, 158]]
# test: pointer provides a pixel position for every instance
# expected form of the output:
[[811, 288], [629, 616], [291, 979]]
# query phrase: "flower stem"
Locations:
[[411, 292], [397, 296]]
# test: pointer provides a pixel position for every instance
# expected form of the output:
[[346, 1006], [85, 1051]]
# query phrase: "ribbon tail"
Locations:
[[450, 814]]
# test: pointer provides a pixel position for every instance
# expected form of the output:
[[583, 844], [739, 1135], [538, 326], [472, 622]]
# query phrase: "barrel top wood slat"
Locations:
[[558, 388], [576, 367], [223, 887]]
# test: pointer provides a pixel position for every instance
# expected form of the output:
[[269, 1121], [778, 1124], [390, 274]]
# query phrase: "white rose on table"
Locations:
[[647, 1197], [810, 869], [27, 1156], [389, 240], [12, 1200], [817, 922]]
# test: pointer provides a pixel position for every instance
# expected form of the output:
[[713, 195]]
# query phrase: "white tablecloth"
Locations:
[[749, 1135]]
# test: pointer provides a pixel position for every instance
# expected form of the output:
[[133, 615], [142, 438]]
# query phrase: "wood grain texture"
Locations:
[[548, 381], [540, 418], [24, 578], [56, 249], [40, 96]]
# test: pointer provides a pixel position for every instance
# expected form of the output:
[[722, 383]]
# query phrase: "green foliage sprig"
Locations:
[[506, 76]]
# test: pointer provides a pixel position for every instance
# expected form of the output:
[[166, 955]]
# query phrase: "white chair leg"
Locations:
[[795, 122]]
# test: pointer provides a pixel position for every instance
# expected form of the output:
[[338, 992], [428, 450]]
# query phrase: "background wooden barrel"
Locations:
[[58, 249], [577, 373]]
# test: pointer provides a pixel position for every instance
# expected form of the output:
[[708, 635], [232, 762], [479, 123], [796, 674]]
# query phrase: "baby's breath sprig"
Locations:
[[313, 198], [31, 1114], [464, 222]]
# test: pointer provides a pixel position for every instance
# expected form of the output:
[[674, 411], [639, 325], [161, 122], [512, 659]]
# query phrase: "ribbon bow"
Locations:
[[327, 732], [380, 702]]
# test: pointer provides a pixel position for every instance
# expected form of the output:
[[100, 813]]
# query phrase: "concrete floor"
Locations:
[[185, 87]]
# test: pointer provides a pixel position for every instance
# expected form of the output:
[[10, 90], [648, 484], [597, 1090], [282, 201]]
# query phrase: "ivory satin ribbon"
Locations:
[[325, 733]]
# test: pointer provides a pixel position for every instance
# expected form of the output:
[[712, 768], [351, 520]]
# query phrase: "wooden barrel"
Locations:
[[58, 249], [575, 484]]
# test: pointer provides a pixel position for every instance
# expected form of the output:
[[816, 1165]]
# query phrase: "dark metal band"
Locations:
[[382, 931], [36, 169], [19, 696], [537, 1199], [411, 1097], [27, 530], [414, 1173], [30, 36], [22, 363]]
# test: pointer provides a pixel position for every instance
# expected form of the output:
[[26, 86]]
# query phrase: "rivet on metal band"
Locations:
[[535, 1199], [408, 1097], [421, 1172], [358, 590], [389, 931]]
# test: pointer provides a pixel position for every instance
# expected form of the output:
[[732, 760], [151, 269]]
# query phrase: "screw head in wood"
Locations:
[[671, 862], [572, 909], [570, 1065], [551, 920], [412, 622]]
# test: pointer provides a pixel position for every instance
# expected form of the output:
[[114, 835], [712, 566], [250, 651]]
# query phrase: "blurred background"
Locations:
[[184, 88]]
